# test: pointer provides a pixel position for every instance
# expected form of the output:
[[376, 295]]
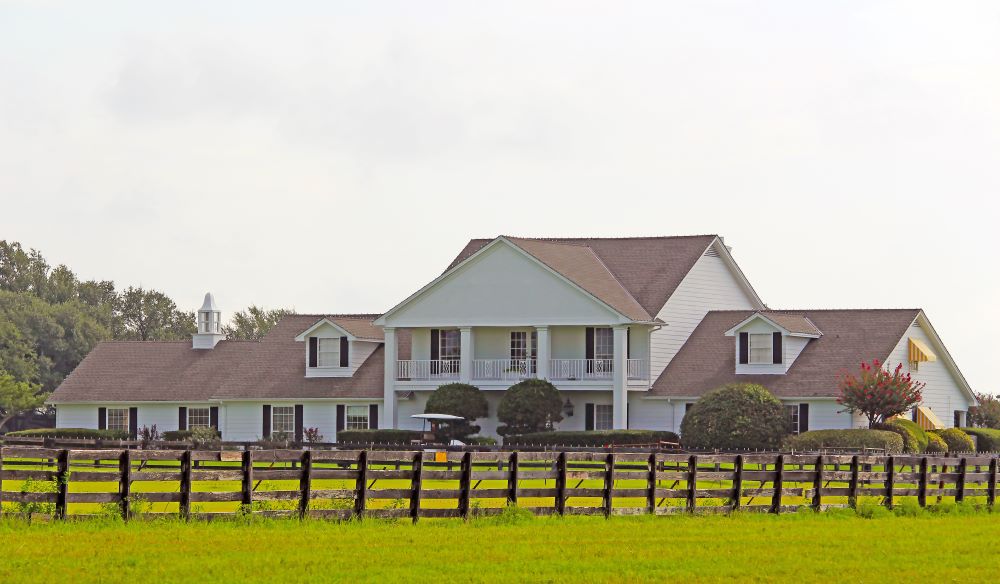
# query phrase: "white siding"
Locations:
[[164, 415], [358, 352], [710, 285], [942, 394], [649, 414], [76, 416]]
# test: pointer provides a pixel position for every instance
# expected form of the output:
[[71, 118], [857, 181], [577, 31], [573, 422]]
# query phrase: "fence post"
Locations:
[[651, 486], [561, 483], [125, 482], [305, 484], [1, 479], [512, 480], [817, 501], [465, 486], [62, 471], [692, 486], [738, 482], [361, 486], [960, 481], [418, 463], [185, 505], [247, 468], [890, 481], [852, 497], [609, 483], [922, 484], [778, 484], [991, 489]]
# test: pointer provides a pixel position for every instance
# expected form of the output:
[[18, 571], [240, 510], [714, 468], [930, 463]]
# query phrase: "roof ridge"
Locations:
[[600, 238], [766, 310]]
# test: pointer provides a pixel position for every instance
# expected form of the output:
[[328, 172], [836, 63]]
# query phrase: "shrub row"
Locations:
[[935, 444], [886, 440], [915, 438], [82, 433], [389, 436], [595, 438], [957, 440], [182, 435], [987, 439]]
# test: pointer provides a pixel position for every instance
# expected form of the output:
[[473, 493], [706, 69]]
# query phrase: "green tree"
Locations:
[[987, 413], [532, 405], [739, 415], [149, 315], [17, 397], [253, 323], [458, 399]]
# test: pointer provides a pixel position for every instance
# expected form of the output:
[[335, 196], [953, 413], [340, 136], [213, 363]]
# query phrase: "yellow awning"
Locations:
[[920, 352], [927, 419]]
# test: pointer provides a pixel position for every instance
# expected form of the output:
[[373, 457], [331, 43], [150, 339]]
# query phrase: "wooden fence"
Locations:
[[343, 484]]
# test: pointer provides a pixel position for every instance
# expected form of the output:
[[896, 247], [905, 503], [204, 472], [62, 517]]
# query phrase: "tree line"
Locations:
[[50, 319]]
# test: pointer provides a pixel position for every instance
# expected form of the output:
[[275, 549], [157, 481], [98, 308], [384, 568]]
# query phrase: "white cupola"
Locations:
[[209, 325]]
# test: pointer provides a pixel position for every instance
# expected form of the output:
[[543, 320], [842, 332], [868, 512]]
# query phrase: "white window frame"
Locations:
[[793, 414], [195, 415], [327, 357], [604, 416], [757, 348], [454, 347], [284, 414], [604, 344], [123, 412], [357, 418]]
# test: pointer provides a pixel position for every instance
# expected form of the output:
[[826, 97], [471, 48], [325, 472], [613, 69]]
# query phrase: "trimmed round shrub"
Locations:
[[957, 440], [987, 439], [596, 438], [739, 415], [532, 405], [936, 444], [856, 439], [457, 399], [914, 437]]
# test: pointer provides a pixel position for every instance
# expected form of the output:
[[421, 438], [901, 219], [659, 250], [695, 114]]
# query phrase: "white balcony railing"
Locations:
[[575, 369], [503, 369], [637, 369], [420, 369]]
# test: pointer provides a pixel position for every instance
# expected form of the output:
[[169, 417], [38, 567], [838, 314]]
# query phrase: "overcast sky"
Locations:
[[334, 157]]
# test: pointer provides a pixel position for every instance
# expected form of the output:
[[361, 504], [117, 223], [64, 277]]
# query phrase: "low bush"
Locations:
[[85, 433], [738, 415], [185, 435], [480, 440], [987, 439], [935, 444], [388, 436], [596, 438], [857, 439], [914, 437], [957, 440]]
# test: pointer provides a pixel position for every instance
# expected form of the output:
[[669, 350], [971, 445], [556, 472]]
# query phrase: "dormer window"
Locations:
[[329, 353], [761, 349]]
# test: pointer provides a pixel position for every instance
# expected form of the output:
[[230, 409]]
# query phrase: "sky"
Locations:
[[335, 156]]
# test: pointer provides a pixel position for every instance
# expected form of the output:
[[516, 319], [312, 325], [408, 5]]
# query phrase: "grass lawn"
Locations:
[[801, 547]]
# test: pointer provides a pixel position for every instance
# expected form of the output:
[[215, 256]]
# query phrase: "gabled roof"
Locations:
[[708, 360], [649, 269], [792, 324], [273, 368], [359, 326]]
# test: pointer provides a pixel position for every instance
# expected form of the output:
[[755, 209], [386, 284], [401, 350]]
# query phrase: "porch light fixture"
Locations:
[[568, 408]]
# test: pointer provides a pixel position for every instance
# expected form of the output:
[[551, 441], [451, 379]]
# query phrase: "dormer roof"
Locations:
[[357, 326], [793, 325]]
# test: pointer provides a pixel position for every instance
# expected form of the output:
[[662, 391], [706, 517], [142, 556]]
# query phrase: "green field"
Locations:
[[952, 544]]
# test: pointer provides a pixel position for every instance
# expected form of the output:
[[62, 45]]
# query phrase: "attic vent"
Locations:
[[712, 252]]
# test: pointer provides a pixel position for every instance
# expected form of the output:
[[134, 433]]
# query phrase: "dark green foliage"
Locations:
[[987, 413], [86, 433], [987, 439], [457, 399], [532, 405], [739, 415], [383, 436], [253, 323], [856, 439], [957, 440], [914, 437], [935, 444], [596, 438], [190, 435], [480, 440]]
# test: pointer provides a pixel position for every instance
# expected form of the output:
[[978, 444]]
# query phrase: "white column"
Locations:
[[465, 365], [619, 393], [544, 351], [389, 385]]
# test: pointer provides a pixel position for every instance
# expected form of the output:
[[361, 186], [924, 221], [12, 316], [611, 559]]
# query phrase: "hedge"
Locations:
[[594, 438], [914, 437], [387, 435], [957, 440], [936, 444], [181, 435], [858, 439], [987, 439], [82, 433]]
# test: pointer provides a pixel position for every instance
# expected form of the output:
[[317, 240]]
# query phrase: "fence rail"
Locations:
[[343, 484]]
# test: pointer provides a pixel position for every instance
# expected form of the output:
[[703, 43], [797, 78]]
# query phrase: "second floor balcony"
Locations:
[[514, 370]]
